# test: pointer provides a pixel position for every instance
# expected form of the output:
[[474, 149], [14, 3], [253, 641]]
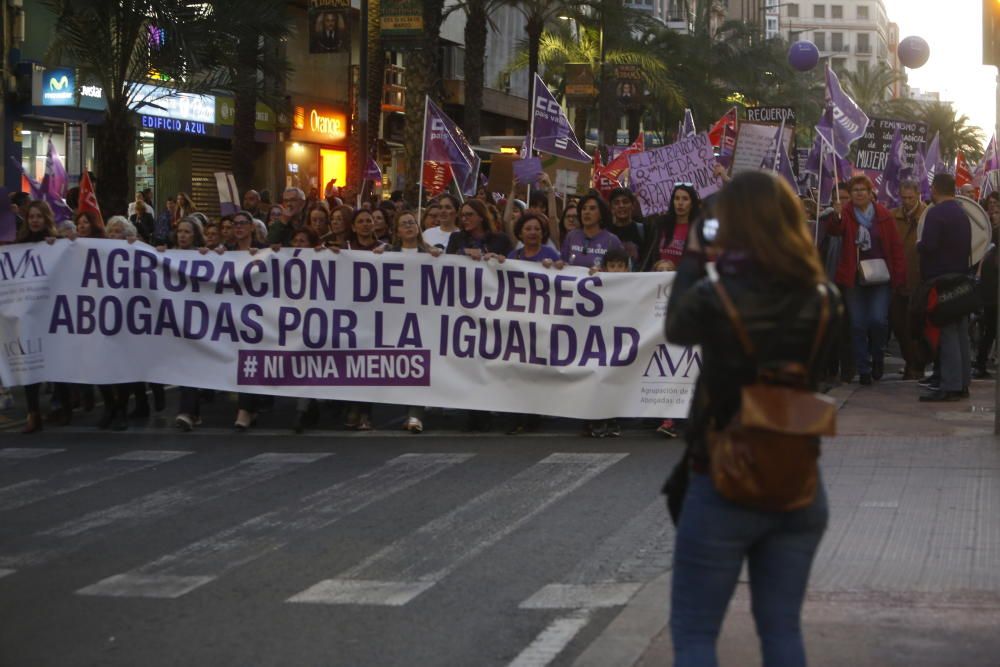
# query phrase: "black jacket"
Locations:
[[781, 320]]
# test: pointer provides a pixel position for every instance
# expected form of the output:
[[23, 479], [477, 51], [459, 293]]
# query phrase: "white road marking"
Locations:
[[21, 453], [581, 596], [425, 557], [46, 545], [196, 564], [552, 640], [74, 479]]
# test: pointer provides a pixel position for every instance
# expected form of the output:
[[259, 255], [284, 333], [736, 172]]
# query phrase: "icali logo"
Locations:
[[666, 365], [26, 265], [22, 347]]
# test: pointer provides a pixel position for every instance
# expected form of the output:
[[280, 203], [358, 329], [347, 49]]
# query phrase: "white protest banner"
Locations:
[[392, 328], [754, 142], [654, 173]]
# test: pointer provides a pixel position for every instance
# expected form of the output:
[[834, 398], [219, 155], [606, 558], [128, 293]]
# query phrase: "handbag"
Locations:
[[957, 297], [766, 456], [872, 271], [676, 486]]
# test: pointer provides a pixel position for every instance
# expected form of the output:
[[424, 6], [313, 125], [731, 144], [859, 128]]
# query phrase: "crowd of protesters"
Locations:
[[600, 233]]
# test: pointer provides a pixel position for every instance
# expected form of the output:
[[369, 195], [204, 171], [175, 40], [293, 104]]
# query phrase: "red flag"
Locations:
[[727, 122], [962, 173], [437, 176], [620, 163], [604, 183], [88, 200]]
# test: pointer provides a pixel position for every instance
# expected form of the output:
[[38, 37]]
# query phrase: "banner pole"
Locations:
[[531, 127], [777, 148], [420, 174], [819, 193]]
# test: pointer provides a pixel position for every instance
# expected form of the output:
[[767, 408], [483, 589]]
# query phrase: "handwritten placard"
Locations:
[[753, 143], [654, 173]]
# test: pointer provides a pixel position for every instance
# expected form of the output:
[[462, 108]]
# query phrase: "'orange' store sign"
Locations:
[[318, 124]]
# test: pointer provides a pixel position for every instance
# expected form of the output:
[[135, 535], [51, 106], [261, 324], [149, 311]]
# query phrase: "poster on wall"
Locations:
[[402, 23], [329, 26]]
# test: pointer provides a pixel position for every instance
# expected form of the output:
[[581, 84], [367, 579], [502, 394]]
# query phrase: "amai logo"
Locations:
[[22, 347], [26, 264], [684, 362]]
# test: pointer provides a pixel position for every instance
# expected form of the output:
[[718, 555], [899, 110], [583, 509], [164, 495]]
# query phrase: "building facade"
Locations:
[[850, 34]]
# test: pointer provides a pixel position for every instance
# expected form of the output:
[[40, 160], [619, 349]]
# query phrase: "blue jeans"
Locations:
[[713, 538], [869, 311]]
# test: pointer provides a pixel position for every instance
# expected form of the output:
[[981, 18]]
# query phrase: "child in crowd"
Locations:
[[616, 260]]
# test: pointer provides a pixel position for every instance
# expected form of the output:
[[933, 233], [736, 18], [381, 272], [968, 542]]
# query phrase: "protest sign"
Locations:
[[753, 143], [501, 173], [652, 174], [528, 170], [567, 176], [229, 194], [394, 328], [873, 147], [773, 115]]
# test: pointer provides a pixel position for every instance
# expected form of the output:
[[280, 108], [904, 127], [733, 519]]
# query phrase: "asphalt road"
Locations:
[[153, 547]]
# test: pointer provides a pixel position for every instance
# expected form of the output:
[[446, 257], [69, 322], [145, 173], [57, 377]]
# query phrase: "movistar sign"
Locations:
[[58, 87]]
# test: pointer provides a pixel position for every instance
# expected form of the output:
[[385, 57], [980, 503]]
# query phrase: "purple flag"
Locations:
[[373, 173], [55, 172], [551, 130], [443, 146], [844, 119], [888, 191], [528, 170], [8, 221], [784, 167], [687, 129], [932, 162], [990, 159], [920, 175], [60, 208]]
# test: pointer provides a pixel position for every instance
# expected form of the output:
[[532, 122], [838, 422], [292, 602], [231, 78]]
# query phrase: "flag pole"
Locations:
[[819, 193], [420, 170], [531, 127], [777, 147]]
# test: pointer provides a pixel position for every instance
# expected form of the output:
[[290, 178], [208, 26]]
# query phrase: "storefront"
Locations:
[[56, 113], [316, 155]]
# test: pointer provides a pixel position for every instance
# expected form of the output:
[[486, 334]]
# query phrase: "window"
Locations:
[[837, 41], [839, 65], [793, 11], [864, 45], [819, 11], [863, 12], [819, 39], [836, 11]]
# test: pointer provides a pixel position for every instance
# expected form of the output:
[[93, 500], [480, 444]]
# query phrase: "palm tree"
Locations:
[[956, 133], [117, 44], [560, 47], [477, 27], [422, 77], [871, 88], [537, 14], [246, 33]]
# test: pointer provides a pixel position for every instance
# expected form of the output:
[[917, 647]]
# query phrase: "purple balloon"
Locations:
[[913, 52], [803, 56]]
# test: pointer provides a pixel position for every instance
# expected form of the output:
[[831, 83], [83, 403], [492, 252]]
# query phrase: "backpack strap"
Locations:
[[824, 320], [741, 332], [734, 316]]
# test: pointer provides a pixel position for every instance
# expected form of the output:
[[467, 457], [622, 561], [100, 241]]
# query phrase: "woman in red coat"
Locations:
[[869, 232]]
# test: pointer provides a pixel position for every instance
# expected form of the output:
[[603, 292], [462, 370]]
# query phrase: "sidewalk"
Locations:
[[908, 573]]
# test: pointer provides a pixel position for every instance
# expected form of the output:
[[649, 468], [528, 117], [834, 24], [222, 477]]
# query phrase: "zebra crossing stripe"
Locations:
[[200, 562], [75, 534], [21, 453], [552, 640], [408, 567], [74, 479]]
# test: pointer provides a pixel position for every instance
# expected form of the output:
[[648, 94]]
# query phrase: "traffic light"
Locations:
[[991, 32]]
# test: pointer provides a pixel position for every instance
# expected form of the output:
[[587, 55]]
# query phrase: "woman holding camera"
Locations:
[[771, 279]]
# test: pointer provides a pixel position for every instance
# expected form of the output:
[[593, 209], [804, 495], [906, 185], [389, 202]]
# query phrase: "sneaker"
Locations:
[[184, 422], [596, 429], [929, 380], [667, 428], [414, 425], [613, 430], [938, 396]]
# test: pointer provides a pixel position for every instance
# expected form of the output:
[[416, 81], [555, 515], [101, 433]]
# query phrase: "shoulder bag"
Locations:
[[766, 456]]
